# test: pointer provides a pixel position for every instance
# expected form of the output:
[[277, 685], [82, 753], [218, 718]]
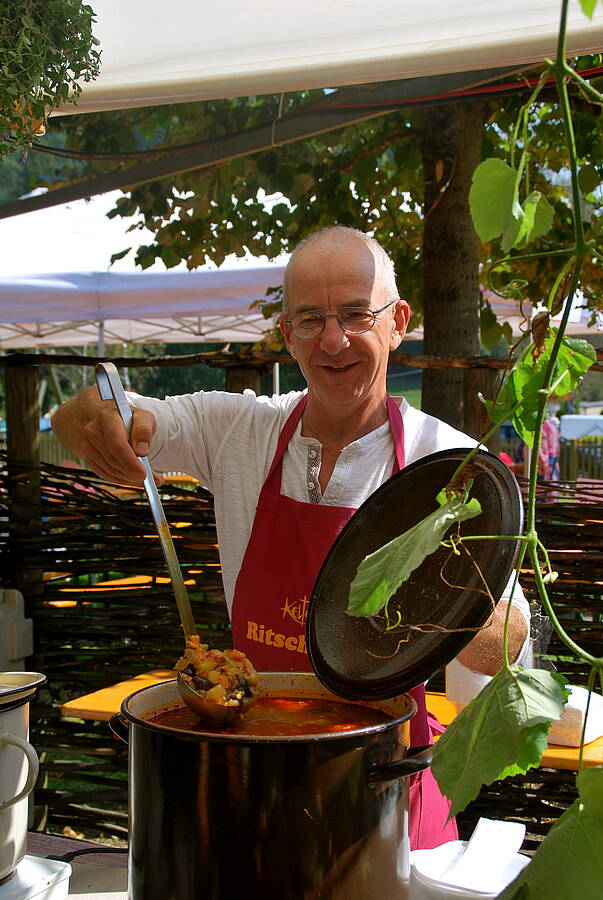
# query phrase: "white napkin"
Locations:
[[492, 848], [480, 868]]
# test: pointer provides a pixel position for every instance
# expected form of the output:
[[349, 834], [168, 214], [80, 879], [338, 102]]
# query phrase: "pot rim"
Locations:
[[17, 688], [225, 737]]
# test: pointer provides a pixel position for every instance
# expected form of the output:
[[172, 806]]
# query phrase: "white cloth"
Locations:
[[228, 441]]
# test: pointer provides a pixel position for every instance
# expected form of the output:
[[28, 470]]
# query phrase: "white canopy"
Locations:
[[156, 52], [67, 309], [79, 308]]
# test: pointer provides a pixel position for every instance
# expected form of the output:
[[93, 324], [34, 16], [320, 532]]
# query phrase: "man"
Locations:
[[288, 472]]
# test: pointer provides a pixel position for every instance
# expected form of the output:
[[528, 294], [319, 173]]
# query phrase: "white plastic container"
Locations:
[[38, 879], [16, 632], [428, 866]]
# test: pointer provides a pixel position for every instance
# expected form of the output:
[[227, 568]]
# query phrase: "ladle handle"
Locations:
[[110, 387]]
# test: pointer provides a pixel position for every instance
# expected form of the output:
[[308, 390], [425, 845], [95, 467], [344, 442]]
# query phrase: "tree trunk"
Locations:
[[239, 379], [452, 136], [22, 385]]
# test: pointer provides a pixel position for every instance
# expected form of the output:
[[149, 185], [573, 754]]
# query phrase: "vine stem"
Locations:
[[532, 545], [561, 72]]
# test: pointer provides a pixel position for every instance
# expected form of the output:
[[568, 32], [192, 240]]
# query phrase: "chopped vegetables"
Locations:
[[225, 676]]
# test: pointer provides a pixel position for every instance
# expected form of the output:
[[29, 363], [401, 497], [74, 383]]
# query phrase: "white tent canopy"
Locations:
[[73, 309], [155, 52], [81, 308]]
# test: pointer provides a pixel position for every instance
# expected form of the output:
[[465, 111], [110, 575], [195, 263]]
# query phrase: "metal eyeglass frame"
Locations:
[[323, 314]]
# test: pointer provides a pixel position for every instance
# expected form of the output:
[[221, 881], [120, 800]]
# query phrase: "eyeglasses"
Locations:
[[351, 319]]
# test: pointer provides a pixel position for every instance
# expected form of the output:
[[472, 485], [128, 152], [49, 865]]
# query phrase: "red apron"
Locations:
[[289, 542]]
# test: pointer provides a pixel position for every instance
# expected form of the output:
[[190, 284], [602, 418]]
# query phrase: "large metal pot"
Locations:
[[219, 816]]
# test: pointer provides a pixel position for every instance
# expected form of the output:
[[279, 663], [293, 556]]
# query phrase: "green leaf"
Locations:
[[569, 862], [170, 257], [590, 788], [527, 222], [537, 219], [491, 197], [588, 179], [515, 226], [575, 357], [120, 255], [490, 329], [527, 378], [588, 7], [381, 573], [503, 731], [507, 332], [496, 210]]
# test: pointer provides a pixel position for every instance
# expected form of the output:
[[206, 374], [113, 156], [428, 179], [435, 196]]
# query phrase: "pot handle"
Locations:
[[417, 759], [119, 726], [33, 766]]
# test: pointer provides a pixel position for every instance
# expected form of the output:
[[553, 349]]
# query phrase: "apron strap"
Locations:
[[284, 438], [396, 424]]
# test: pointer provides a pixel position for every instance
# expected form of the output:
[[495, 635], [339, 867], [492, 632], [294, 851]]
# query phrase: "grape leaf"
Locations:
[[489, 327], [503, 731], [569, 862], [588, 7], [527, 377], [515, 225], [588, 179], [491, 197], [527, 222], [496, 209], [590, 788], [381, 573]]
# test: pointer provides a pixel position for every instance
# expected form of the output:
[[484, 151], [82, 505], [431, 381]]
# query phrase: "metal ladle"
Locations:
[[110, 387]]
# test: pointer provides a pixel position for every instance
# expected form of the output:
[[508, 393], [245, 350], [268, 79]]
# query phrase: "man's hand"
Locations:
[[485, 652], [93, 430]]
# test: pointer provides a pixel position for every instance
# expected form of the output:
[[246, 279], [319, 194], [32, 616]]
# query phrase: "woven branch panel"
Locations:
[[90, 634]]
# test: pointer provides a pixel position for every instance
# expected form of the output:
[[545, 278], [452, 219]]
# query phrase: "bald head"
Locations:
[[320, 245]]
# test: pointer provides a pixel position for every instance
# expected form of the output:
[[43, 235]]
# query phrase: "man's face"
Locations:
[[342, 368]]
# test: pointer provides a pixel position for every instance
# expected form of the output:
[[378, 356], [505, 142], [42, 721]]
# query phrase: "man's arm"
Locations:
[[485, 652], [92, 429]]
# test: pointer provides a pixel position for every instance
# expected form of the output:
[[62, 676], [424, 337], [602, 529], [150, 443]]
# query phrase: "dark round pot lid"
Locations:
[[443, 602]]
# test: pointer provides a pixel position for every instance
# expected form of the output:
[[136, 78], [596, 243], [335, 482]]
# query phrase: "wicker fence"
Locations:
[[89, 634]]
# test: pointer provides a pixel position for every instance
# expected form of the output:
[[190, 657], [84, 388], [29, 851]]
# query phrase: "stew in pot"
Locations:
[[280, 717]]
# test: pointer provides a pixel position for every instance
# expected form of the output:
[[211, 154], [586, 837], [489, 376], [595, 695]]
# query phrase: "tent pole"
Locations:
[[100, 344]]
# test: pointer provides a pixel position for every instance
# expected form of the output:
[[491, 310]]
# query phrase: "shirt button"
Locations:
[[312, 454], [310, 485]]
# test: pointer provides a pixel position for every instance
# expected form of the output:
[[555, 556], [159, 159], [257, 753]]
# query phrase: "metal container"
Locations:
[[220, 816]]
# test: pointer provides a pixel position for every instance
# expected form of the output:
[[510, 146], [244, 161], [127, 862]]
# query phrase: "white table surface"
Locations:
[[97, 882], [94, 875]]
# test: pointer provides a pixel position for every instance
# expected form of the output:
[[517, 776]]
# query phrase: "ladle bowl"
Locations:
[[209, 710]]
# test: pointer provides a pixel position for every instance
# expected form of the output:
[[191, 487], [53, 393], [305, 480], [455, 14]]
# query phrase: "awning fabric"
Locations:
[[156, 52], [59, 310], [65, 309]]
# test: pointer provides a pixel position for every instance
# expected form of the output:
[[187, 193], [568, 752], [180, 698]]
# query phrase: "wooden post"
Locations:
[[239, 379], [573, 460], [22, 384]]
